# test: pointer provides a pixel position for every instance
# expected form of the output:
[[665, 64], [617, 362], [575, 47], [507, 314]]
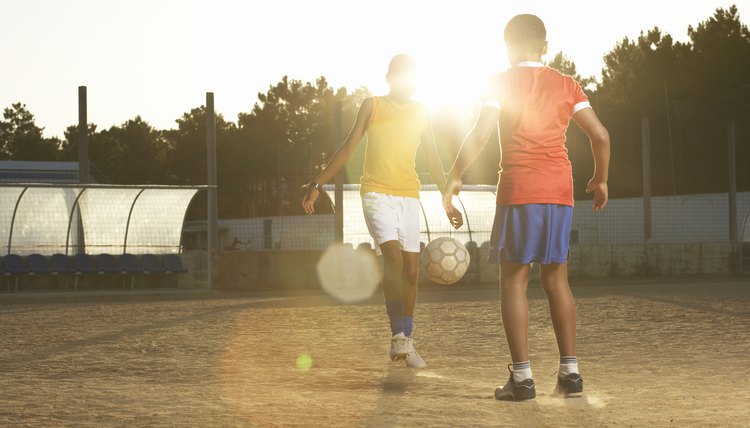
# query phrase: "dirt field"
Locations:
[[652, 353]]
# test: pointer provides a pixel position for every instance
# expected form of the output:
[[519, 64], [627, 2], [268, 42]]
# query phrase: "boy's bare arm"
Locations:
[[434, 165], [473, 144], [436, 170], [342, 155], [587, 120]]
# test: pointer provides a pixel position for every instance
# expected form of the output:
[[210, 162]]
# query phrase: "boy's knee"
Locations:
[[411, 272], [555, 285], [511, 286], [393, 261]]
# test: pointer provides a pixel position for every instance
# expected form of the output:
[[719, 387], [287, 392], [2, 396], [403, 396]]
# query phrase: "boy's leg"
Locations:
[[392, 284], [410, 279], [514, 280], [410, 276], [562, 306], [562, 309], [394, 297]]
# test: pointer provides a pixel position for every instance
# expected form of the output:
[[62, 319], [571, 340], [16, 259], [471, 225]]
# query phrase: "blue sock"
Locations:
[[408, 324], [395, 309]]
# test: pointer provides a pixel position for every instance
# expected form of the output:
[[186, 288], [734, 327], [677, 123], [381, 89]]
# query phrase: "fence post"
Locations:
[[83, 159], [338, 219], [83, 137], [212, 208], [732, 181], [646, 155]]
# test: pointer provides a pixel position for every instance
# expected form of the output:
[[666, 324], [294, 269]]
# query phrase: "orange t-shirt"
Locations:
[[536, 104]]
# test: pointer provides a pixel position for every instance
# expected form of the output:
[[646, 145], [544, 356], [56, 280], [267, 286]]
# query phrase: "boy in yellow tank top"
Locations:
[[395, 126]]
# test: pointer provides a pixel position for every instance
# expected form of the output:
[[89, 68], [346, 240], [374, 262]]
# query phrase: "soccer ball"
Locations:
[[445, 260]]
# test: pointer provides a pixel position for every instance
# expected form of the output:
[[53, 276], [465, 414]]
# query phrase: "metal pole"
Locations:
[[646, 155], [339, 188], [669, 137], [212, 219], [732, 182], [83, 137]]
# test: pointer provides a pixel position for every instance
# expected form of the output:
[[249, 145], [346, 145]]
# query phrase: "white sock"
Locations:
[[568, 365], [521, 371]]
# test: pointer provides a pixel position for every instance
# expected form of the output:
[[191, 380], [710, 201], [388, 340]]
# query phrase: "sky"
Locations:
[[158, 58]]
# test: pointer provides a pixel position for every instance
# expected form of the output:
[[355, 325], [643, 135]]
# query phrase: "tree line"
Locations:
[[688, 90]]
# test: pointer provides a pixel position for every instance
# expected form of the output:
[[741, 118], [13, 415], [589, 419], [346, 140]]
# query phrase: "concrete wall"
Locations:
[[296, 270], [287, 270], [588, 261]]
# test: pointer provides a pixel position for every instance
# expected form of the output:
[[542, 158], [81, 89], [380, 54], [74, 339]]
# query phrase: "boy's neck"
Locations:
[[396, 97], [525, 57]]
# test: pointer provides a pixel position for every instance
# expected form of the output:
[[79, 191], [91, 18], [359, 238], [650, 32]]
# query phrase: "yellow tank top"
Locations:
[[393, 135]]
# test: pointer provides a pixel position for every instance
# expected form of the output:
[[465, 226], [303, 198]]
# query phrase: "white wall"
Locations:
[[675, 219]]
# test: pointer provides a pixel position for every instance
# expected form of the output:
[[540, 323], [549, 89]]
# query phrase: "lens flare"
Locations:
[[304, 362], [347, 274]]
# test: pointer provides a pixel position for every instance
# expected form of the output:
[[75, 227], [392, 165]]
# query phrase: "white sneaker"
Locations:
[[399, 347], [412, 357]]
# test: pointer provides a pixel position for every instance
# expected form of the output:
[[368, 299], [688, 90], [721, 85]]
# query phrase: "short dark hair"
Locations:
[[402, 63], [526, 32]]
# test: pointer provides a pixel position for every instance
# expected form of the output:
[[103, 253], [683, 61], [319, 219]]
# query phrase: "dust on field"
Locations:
[[652, 353]]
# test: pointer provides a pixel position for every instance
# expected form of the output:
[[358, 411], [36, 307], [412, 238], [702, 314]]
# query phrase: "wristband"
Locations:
[[315, 185]]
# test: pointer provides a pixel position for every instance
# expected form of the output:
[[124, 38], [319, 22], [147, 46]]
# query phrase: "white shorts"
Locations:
[[392, 218]]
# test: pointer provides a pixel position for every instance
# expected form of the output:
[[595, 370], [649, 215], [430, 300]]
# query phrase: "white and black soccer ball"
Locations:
[[445, 260]]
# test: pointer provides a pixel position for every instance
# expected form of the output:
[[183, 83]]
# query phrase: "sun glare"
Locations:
[[449, 89], [456, 82]]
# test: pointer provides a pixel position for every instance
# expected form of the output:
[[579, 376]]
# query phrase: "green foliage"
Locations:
[[291, 126], [187, 145], [131, 153], [688, 90], [21, 139], [565, 65]]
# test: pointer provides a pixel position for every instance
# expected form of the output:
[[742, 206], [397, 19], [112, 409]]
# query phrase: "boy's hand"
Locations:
[[452, 187], [601, 194], [308, 203], [454, 215]]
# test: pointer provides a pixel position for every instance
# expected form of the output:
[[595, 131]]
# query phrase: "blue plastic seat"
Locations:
[[129, 266], [83, 264], [13, 266], [173, 264], [2, 272], [106, 263], [152, 264], [60, 264], [37, 264]]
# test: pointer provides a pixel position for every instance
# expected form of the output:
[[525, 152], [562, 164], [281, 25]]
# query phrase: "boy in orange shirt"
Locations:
[[532, 105]]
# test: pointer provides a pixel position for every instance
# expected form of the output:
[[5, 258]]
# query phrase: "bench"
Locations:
[[14, 266]]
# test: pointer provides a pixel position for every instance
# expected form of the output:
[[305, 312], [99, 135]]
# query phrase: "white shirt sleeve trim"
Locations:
[[580, 106], [492, 103]]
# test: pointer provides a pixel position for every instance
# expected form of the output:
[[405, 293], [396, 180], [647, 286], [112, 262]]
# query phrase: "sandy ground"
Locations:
[[652, 353]]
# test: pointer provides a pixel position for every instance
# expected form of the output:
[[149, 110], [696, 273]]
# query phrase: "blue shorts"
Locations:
[[531, 233]]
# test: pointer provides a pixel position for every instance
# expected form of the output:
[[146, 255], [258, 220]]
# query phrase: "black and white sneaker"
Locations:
[[512, 391], [570, 385]]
